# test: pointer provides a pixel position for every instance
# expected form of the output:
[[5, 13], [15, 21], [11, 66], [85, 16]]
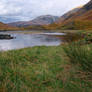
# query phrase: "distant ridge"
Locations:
[[6, 19], [5, 27], [41, 20]]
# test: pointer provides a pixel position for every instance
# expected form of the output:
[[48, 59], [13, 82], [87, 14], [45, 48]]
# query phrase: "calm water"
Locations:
[[27, 39]]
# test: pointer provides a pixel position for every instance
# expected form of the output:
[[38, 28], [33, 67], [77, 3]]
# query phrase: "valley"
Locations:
[[47, 53]]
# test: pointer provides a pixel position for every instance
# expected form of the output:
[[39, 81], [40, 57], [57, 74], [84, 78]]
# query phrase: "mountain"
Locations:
[[41, 20], [68, 14], [6, 19], [88, 6], [58, 23], [81, 19], [4, 27]]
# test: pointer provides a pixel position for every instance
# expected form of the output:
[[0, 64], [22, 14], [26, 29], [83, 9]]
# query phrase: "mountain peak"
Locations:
[[41, 20]]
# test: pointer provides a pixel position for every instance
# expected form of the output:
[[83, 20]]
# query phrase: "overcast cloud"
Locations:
[[29, 9]]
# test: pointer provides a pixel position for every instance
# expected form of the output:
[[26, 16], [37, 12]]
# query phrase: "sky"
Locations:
[[29, 9]]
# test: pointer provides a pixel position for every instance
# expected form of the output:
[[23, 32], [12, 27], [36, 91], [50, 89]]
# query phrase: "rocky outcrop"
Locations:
[[5, 36]]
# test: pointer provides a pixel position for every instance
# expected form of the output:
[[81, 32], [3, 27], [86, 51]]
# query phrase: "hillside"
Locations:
[[78, 18], [4, 27], [68, 14], [61, 20], [82, 19], [41, 20]]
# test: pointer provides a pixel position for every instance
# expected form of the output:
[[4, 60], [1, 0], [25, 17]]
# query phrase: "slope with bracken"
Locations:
[[82, 19], [79, 18], [5, 27], [61, 20]]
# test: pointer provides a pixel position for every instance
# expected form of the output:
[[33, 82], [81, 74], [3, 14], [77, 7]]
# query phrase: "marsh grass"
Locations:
[[80, 55], [39, 69]]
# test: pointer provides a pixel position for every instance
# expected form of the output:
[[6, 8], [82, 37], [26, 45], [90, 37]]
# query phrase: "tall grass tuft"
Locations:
[[81, 55]]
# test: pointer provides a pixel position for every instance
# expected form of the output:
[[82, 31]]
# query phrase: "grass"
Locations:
[[40, 69], [81, 55]]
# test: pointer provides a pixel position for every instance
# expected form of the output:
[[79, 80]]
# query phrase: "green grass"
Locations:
[[80, 55], [40, 69]]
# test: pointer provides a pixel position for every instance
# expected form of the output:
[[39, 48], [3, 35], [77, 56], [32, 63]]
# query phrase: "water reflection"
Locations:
[[29, 40]]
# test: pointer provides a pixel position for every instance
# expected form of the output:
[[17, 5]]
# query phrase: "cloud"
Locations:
[[29, 9]]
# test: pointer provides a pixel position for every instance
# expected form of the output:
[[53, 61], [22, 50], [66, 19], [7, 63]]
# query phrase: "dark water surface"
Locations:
[[27, 39]]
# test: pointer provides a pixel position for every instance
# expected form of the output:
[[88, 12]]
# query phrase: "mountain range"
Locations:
[[78, 18], [6, 19], [41, 20]]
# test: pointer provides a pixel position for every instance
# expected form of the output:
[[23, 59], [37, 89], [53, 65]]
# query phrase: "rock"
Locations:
[[6, 36]]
